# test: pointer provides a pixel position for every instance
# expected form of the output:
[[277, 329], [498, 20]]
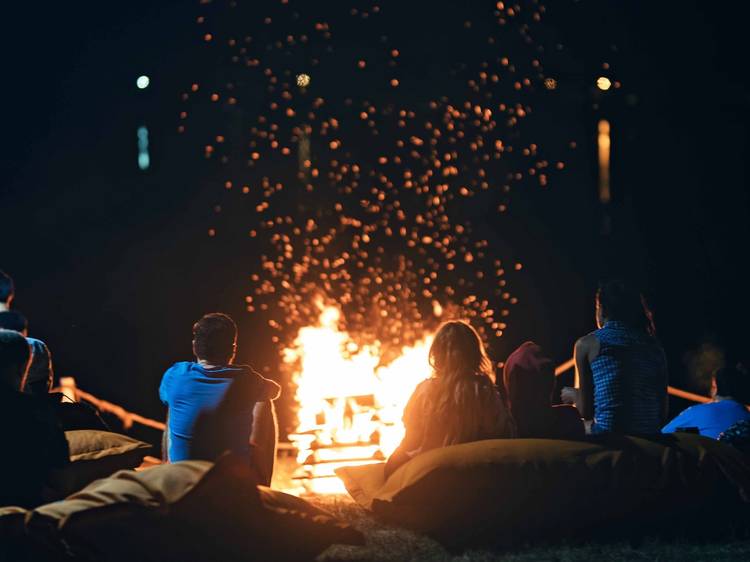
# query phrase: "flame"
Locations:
[[350, 406]]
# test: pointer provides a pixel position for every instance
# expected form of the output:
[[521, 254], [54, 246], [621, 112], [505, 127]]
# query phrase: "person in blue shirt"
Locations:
[[215, 405], [730, 391]]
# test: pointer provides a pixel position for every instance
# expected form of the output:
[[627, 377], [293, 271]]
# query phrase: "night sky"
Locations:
[[113, 265]]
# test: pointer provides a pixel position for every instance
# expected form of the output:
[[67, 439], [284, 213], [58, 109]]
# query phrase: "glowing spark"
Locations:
[[303, 80]]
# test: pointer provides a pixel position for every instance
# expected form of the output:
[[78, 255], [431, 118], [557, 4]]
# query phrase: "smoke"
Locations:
[[702, 361]]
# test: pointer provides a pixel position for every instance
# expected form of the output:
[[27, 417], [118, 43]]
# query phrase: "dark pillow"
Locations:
[[15, 545], [515, 490], [94, 454], [77, 415], [238, 519], [190, 510], [115, 518]]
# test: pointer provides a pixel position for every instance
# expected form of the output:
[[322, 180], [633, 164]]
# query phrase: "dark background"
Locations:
[[113, 265]]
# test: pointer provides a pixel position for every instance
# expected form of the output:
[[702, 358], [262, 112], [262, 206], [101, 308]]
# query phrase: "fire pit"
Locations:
[[349, 404]]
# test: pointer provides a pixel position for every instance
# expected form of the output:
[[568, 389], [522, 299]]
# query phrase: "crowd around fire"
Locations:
[[359, 161], [215, 405]]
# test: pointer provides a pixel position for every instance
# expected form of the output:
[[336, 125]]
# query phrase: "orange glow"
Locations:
[[603, 144], [349, 405]]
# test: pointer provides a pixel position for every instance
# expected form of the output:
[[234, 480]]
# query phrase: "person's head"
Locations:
[[731, 382], [458, 350], [529, 379], [617, 300], [15, 355], [12, 320], [7, 290], [461, 395], [215, 339]]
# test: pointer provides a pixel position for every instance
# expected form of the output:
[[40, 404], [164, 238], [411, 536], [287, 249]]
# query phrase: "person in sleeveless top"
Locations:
[[459, 403], [621, 367]]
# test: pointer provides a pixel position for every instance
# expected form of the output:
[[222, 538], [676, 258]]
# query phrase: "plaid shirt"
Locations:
[[630, 381]]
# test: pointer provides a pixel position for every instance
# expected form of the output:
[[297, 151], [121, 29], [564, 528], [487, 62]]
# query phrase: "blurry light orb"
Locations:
[[144, 160], [603, 83], [303, 80], [142, 82], [550, 83]]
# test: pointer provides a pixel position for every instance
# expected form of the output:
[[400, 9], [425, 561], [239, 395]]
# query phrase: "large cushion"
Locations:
[[93, 444], [234, 519], [191, 510], [514, 490], [124, 507], [94, 454]]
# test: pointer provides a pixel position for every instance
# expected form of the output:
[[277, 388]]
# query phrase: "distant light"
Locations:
[[603, 83], [550, 83], [604, 144], [143, 82], [144, 158], [303, 80]]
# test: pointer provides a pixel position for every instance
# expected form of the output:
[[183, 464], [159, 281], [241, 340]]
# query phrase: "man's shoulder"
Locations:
[[249, 377], [246, 370], [36, 343], [176, 370], [179, 367], [695, 411]]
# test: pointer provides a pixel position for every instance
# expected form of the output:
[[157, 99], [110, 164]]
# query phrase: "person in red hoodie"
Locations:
[[529, 379]]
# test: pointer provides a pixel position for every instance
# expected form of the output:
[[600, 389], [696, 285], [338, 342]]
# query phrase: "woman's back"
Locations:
[[630, 380], [473, 412], [460, 403]]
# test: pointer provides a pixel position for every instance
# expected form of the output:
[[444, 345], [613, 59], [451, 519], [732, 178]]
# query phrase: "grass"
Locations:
[[387, 542]]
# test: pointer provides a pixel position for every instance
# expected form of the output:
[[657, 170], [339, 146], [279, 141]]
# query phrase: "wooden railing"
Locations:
[[73, 393], [69, 389], [570, 364]]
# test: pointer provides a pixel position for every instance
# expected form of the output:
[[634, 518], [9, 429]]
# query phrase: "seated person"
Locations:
[[730, 390], [71, 415], [39, 379], [529, 379], [459, 403], [32, 440], [211, 402], [621, 367]]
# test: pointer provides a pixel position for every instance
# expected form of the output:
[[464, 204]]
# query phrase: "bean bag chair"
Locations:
[[511, 491], [190, 510], [94, 454]]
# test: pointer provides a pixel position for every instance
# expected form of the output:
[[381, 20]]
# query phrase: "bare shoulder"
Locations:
[[587, 346], [584, 343]]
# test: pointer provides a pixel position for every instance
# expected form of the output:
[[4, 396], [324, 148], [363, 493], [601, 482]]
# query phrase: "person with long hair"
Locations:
[[621, 367], [529, 379], [459, 403]]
